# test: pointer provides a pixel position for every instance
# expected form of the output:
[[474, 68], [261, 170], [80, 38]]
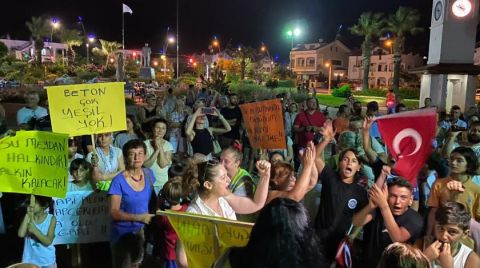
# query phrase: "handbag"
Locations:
[[216, 146], [152, 202]]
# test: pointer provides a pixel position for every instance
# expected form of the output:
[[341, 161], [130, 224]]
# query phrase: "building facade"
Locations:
[[311, 62], [381, 68], [25, 50]]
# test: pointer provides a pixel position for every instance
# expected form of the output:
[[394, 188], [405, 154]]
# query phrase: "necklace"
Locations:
[[134, 179]]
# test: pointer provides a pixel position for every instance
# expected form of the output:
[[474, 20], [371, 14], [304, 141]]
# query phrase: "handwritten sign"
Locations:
[[264, 124], [34, 162], [87, 108], [82, 217], [206, 238]]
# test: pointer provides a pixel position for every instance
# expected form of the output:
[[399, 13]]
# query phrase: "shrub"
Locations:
[[271, 84], [404, 93], [286, 83], [86, 75], [342, 92]]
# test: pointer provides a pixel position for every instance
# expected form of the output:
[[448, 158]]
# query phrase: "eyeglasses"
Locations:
[[211, 162]]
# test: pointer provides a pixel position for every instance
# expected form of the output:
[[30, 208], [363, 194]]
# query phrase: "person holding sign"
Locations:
[[130, 193], [38, 229], [107, 162], [201, 137]]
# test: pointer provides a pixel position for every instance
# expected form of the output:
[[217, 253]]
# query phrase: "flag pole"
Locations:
[[123, 31]]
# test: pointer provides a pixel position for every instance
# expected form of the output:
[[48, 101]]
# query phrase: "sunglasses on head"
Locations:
[[211, 162]]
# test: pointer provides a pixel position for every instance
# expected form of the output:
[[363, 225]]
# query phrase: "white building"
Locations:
[[25, 50], [308, 61], [381, 67]]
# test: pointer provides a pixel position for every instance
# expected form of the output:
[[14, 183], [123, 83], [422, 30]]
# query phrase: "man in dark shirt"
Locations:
[[388, 218], [233, 114]]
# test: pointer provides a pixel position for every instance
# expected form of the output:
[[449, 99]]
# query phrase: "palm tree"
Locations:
[[244, 55], [403, 22], [370, 26], [38, 28], [109, 48], [71, 38]]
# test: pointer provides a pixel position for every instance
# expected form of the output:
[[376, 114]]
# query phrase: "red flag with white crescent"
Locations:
[[408, 137]]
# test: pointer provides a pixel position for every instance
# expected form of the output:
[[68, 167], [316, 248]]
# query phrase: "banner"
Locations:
[[82, 217], [86, 109], [34, 162], [205, 238], [264, 124]]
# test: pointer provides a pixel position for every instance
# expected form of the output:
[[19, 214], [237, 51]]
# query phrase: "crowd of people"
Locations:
[[333, 184]]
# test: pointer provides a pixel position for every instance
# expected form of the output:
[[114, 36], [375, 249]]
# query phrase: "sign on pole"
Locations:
[[82, 217], [206, 238], [34, 162], [264, 124], [86, 109]]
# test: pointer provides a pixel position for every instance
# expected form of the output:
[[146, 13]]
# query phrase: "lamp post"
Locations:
[[389, 43], [91, 39], [55, 24], [329, 66], [168, 40], [292, 34]]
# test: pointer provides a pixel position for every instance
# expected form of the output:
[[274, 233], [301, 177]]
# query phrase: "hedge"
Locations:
[[405, 93]]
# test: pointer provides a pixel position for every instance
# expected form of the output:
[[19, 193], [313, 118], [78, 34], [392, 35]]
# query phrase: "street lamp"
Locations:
[[329, 66], [389, 43], [293, 33], [91, 39], [55, 24], [168, 40]]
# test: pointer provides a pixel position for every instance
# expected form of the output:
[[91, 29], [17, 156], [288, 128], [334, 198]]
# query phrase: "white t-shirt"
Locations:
[[197, 206], [24, 115], [161, 174]]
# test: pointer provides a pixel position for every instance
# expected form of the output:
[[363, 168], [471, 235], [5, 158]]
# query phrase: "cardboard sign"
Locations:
[[34, 162], [205, 238], [82, 217], [87, 108], [264, 124]]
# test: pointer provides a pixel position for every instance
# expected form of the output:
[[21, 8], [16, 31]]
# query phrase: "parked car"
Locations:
[[64, 80]]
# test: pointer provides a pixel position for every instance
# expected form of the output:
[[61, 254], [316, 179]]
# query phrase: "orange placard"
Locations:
[[264, 124]]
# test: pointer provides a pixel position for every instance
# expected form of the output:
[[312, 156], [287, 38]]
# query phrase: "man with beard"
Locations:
[[473, 138], [388, 218]]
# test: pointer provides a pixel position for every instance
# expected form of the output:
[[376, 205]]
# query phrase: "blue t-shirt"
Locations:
[[133, 202]]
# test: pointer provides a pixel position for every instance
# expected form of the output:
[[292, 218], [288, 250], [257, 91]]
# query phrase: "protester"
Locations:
[[401, 255], [176, 120], [159, 153], [342, 121], [289, 117], [38, 229], [452, 225], [133, 132], [341, 195], [201, 137], [233, 115], [31, 111], [241, 183], [129, 251], [151, 111], [72, 153], [170, 101], [129, 195], [281, 237], [390, 101], [388, 209], [81, 172]]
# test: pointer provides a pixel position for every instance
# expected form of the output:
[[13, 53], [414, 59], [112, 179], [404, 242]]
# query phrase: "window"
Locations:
[[336, 62], [310, 62], [379, 69], [293, 63], [300, 62], [385, 68]]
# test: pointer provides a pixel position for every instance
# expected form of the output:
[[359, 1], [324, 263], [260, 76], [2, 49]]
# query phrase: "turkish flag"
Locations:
[[408, 137]]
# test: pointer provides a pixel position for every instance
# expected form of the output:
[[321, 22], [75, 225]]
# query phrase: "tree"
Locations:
[[71, 38], [3, 50], [38, 28], [244, 55], [403, 22], [108, 49], [369, 26]]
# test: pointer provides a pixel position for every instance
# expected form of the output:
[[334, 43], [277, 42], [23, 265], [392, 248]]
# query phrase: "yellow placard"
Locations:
[[205, 238], [264, 124], [87, 108], [34, 162]]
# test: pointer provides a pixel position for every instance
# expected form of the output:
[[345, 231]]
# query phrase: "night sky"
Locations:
[[246, 22]]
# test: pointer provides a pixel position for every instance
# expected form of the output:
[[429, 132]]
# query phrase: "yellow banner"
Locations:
[[34, 162], [204, 238], [87, 108]]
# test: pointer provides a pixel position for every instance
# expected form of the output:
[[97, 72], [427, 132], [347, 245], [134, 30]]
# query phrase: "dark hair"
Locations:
[[354, 151], [159, 120], [129, 249], [170, 90], [172, 192], [206, 172], [372, 106], [398, 106], [137, 128], [72, 141], [474, 124], [453, 213], [399, 182], [281, 237], [470, 157], [439, 164], [342, 109], [190, 179], [177, 169], [271, 154], [455, 107], [133, 144], [401, 255], [80, 162], [44, 201]]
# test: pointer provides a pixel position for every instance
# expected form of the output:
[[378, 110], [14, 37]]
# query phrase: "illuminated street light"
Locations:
[[329, 66], [55, 24], [91, 38], [171, 39], [112, 60], [155, 63]]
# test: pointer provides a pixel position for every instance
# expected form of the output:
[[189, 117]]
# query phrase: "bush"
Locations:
[[342, 92], [286, 83], [85, 75], [271, 84]]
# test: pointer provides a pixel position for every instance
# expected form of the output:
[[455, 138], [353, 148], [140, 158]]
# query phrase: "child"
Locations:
[[452, 225], [171, 198], [81, 172], [38, 229]]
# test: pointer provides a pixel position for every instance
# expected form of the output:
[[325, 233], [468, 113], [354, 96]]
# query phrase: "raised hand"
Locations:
[[327, 129], [368, 122], [263, 168]]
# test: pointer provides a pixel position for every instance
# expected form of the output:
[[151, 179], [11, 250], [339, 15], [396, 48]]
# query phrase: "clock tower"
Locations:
[[450, 76]]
